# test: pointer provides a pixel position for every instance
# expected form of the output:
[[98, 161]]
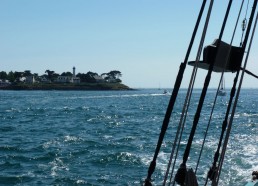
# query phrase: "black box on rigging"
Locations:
[[209, 53]]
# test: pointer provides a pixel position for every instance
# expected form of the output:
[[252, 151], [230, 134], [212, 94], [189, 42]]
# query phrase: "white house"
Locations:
[[75, 80], [30, 79], [67, 79], [4, 83], [99, 79], [22, 79], [43, 79], [64, 79], [111, 80]]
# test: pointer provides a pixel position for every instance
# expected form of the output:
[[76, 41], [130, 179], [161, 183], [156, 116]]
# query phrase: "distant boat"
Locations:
[[165, 92], [222, 91]]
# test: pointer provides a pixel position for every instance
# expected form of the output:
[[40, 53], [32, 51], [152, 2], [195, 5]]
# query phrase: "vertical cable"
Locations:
[[190, 87], [180, 176], [173, 99], [237, 95], [211, 173]]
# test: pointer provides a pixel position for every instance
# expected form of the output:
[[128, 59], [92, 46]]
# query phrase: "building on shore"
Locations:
[[68, 79], [30, 79], [4, 83], [99, 79]]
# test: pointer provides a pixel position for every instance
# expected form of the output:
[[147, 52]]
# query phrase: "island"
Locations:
[[64, 81]]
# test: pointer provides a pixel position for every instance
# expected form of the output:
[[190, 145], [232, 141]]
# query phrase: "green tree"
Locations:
[[54, 76], [82, 77], [50, 74], [113, 75], [36, 76], [3, 75], [88, 77], [27, 73], [10, 76], [18, 75], [92, 74], [66, 74]]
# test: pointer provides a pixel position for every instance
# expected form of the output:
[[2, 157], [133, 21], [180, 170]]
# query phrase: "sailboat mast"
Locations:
[[222, 81]]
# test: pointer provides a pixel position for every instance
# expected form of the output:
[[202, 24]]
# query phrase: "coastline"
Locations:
[[67, 86]]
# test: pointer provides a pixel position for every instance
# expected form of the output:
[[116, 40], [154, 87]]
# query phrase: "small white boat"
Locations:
[[222, 91], [166, 92]]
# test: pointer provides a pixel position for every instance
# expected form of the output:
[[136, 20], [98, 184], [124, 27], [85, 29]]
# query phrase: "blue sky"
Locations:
[[145, 39]]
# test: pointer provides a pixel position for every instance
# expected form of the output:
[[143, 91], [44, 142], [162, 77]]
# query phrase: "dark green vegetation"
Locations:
[[51, 76], [66, 86], [64, 81]]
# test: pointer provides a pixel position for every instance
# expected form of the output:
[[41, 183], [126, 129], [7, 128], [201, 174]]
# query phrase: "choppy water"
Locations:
[[109, 137]]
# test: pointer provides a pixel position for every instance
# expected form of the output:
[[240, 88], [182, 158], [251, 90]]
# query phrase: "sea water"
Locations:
[[109, 137]]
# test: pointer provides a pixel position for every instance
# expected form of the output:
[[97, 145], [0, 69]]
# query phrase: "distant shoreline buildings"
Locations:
[[68, 79], [7, 79]]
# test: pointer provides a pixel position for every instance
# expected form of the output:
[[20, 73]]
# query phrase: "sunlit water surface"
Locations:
[[109, 137]]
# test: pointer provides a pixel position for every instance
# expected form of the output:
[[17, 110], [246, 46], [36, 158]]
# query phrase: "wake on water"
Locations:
[[109, 138]]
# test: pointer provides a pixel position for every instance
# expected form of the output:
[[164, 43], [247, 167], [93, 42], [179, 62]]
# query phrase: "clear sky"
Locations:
[[144, 39]]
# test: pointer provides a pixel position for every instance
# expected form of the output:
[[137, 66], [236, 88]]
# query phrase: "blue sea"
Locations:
[[109, 137]]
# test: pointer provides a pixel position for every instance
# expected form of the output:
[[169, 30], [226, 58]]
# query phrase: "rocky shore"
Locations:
[[66, 86]]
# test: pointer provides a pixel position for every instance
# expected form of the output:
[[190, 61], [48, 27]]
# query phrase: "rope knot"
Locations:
[[147, 182], [180, 175], [152, 166], [212, 172]]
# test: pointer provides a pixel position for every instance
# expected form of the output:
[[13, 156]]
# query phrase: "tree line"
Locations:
[[51, 76]]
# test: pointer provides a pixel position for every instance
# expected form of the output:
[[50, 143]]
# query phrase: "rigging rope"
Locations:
[[173, 99], [214, 167], [244, 23], [212, 170], [215, 99], [239, 88], [188, 96], [180, 176], [248, 72], [184, 119]]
